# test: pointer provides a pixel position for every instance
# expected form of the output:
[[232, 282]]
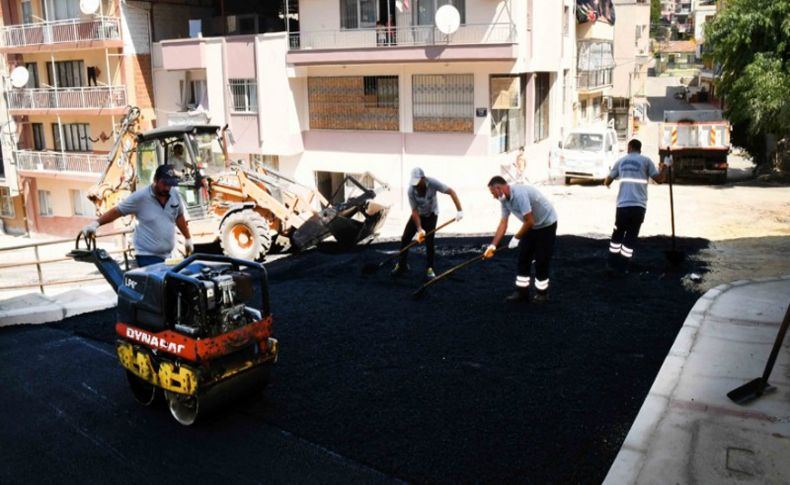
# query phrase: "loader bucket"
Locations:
[[348, 227]]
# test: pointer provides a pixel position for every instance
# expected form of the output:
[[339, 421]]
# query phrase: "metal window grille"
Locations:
[[245, 95], [6, 202], [44, 203], [353, 102], [443, 103]]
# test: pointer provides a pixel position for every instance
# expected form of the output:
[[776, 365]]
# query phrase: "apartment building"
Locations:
[[351, 86], [84, 68], [595, 62], [631, 55]]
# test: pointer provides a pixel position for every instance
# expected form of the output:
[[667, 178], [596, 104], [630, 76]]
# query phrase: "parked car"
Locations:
[[588, 153]]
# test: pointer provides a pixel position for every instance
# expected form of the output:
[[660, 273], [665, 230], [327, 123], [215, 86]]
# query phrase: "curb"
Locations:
[[631, 458], [46, 309]]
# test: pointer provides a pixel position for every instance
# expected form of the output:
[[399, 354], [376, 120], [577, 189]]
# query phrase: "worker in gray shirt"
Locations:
[[158, 210], [424, 213], [634, 171], [535, 238]]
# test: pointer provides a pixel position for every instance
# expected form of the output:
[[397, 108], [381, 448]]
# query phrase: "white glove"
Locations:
[[668, 161], [459, 215], [513, 242], [421, 236], [89, 231], [489, 252], [189, 247]]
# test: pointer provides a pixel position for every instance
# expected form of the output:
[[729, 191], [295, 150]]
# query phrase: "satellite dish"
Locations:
[[447, 19], [19, 76], [89, 7]]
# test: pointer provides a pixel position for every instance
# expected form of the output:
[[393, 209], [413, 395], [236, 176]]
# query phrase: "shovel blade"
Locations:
[[750, 391], [675, 257]]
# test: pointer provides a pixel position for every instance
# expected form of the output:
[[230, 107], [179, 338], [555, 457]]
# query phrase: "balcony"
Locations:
[[78, 163], [403, 44], [81, 100], [597, 79], [98, 32]]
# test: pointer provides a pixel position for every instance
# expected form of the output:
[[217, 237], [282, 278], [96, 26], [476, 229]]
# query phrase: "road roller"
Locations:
[[198, 333]]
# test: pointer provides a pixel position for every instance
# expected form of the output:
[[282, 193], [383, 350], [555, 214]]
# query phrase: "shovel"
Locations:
[[757, 387], [371, 268], [674, 256]]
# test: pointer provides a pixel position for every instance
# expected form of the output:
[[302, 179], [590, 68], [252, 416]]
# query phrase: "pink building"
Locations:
[[360, 85]]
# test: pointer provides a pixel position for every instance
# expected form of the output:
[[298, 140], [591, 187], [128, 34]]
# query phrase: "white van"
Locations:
[[588, 153]]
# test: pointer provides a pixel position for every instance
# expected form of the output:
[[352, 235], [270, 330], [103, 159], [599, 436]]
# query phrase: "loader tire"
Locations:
[[245, 235]]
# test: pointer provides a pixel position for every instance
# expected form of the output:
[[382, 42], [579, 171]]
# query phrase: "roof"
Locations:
[[678, 46], [179, 130]]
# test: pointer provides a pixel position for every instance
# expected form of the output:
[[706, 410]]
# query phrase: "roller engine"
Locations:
[[198, 332]]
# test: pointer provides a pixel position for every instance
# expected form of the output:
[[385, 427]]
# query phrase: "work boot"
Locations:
[[429, 274], [398, 270], [541, 297], [518, 296]]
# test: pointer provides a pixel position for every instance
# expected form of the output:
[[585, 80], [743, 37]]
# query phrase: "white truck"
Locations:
[[588, 153], [699, 141]]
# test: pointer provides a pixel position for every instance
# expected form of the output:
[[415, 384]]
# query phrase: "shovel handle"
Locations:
[[450, 271], [415, 242], [777, 345]]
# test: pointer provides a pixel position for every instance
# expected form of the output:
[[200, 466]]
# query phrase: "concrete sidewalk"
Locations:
[[35, 308], [687, 430]]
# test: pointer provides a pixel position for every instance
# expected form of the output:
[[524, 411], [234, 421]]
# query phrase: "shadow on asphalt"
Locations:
[[459, 386]]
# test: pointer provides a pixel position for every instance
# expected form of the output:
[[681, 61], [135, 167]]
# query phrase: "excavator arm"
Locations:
[[120, 177]]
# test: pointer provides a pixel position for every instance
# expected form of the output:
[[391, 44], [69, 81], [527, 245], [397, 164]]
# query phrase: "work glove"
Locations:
[[489, 252], [421, 236], [513, 242], [189, 247], [459, 215], [668, 161], [89, 231]]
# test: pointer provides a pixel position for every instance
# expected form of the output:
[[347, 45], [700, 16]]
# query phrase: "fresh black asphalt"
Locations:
[[372, 385]]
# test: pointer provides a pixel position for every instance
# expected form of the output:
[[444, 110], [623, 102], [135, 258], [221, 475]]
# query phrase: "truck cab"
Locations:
[[588, 153]]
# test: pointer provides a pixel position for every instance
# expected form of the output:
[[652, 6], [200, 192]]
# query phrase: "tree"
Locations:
[[750, 42]]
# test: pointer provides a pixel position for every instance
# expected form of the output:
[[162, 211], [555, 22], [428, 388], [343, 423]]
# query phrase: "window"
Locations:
[[44, 203], [542, 105], [425, 10], [6, 202], [69, 74], [76, 137], [265, 162], [27, 12], [353, 102], [194, 94], [245, 95], [32, 81], [80, 204], [508, 112], [38, 136], [358, 14], [443, 102], [595, 63]]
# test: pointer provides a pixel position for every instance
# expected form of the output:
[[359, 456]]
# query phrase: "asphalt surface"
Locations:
[[373, 385]]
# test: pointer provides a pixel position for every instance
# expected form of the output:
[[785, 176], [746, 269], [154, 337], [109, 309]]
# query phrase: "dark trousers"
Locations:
[[91, 76], [537, 246], [428, 224], [627, 222], [148, 260]]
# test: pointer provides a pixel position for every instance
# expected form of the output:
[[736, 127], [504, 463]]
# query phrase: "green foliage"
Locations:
[[655, 11], [750, 40]]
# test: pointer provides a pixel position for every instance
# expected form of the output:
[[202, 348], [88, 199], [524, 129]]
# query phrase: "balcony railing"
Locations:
[[61, 31], [60, 162], [95, 97], [415, 35], [594, 79]]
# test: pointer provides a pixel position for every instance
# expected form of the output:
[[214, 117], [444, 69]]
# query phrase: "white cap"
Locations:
[[416, 175]]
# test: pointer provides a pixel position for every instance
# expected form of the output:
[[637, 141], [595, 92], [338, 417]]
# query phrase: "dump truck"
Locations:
[[699, 141], [248, 210]]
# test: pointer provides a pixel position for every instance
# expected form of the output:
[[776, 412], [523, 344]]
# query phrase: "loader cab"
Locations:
[[195, 151]]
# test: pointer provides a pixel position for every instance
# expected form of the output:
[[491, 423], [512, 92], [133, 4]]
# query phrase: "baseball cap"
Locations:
[[167, 174], [416, 175]]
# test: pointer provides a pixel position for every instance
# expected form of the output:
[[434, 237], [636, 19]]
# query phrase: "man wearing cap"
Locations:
[[634, 171], [534, 239], [424, 213], [158, 210]]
